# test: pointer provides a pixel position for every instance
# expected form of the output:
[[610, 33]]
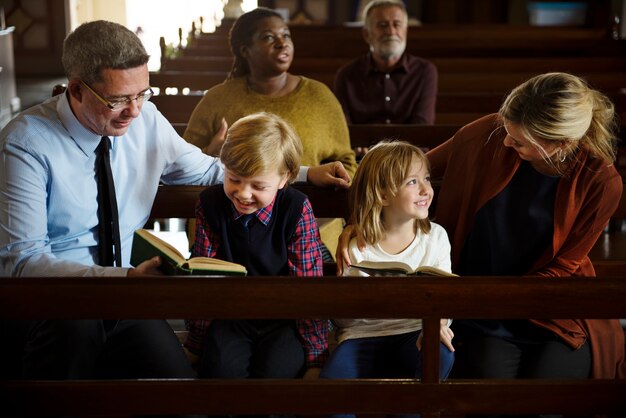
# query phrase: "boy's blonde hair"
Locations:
[[383, 170], [261, 143]]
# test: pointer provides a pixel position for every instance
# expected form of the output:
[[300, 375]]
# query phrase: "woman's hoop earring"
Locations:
[[560, 155]]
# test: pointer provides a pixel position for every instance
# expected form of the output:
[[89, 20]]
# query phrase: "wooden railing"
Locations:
[[279, 297]]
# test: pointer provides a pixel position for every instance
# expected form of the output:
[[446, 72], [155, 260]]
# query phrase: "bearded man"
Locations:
[[387, 85]]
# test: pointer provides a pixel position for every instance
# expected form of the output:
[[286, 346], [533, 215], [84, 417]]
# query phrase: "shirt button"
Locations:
[[387, 121], [387, 76], [387, 98]]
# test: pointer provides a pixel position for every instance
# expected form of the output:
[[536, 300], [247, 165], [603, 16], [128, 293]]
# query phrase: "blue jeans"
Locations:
[[388, 357]]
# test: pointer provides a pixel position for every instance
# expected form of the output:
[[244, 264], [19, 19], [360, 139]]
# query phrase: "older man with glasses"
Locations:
[[79, 174]]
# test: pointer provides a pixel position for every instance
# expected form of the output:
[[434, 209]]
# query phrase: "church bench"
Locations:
[[494, 82], [537, 48], [424, 136], [429, 298], [441, 41], [452, 107], [428, 32], [306, 65]]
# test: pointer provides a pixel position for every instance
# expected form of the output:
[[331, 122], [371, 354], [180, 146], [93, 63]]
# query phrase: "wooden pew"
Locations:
[[180, 201], [451, 108], [429, 32], [429, 298], [425, 136], [609, 82], [307, 65], [443, 41]]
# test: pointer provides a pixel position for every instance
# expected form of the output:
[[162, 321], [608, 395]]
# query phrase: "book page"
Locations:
[[164, 246], [385, 265], [208, 263]]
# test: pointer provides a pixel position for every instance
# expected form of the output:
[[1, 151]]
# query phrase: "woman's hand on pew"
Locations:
[[329, 174], [214, 147], [149, 267], [445, 335], [342, 256]]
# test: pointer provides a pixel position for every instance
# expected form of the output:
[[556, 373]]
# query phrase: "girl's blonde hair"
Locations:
[[261, 143], [382, 170], [562, 107]]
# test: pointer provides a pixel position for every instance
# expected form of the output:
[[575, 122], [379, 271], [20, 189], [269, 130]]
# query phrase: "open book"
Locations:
[[147, 245], [398, 268]]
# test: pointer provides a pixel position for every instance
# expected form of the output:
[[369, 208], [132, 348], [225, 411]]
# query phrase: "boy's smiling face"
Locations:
[[250, 194]]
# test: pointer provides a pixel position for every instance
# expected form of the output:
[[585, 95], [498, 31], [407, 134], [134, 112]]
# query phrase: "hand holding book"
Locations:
[[147, 245]]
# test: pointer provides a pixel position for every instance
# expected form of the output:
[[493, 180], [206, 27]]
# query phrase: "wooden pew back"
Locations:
[[427, 298], [492, 82]]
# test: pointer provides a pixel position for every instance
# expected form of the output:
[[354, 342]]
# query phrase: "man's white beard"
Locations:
[[392, 49]]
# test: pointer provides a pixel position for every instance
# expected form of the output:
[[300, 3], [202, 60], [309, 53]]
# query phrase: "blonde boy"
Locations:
[[255, 220]]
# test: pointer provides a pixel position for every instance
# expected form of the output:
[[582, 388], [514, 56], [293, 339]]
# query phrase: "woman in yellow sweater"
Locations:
[[259, 81]]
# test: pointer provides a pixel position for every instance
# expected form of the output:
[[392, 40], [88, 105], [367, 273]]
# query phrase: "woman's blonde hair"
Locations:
[[383, 170], [261, 143], [562, 107]]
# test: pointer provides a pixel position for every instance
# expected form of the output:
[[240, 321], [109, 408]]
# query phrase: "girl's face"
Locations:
[[271, 51], [413, 197], [527, 149]]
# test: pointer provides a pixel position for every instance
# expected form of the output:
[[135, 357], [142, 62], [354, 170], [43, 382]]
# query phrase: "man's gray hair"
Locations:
[[94, 46], [382, 3]]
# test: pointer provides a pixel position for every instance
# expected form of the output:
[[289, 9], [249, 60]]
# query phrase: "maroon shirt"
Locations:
[[406, 94]]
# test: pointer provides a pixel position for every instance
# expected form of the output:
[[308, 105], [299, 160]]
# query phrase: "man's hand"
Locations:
[[215, 146], [329, 174], [149, 267]]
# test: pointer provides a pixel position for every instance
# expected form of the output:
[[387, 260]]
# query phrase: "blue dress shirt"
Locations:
[[48, 192]]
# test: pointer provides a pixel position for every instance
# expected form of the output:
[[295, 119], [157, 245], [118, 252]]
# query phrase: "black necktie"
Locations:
[[108, 229]]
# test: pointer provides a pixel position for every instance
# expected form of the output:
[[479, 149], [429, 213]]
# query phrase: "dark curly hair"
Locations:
[[241, 35]]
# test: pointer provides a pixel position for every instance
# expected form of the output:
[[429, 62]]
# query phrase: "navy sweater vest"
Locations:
[[262, 249]]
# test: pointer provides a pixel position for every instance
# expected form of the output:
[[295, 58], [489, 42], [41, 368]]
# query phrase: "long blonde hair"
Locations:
[[562, 107], [382, 170]]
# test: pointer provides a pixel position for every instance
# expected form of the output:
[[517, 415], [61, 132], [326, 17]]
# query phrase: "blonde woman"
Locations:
[[528, 191]]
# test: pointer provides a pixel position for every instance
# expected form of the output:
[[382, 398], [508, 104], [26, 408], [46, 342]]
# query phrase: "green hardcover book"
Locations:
[[146, 245], [397, 268]]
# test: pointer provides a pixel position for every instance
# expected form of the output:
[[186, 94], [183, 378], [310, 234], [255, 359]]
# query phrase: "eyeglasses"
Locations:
[[122, 103]]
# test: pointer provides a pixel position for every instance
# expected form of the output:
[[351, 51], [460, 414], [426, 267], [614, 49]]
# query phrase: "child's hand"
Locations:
[[312, 373], [194, 359], [445, 336]]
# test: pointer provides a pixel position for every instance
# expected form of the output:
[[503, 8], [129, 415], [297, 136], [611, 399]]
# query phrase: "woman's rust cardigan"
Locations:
[[476, 166]]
